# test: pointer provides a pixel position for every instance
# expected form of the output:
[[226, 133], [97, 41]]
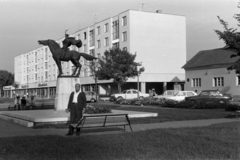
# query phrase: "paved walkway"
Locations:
[[10, 129]]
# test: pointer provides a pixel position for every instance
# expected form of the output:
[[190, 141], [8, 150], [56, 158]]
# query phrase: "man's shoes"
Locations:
[[69, 134]]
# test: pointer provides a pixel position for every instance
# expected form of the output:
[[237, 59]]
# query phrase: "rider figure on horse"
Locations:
[[67, 42]]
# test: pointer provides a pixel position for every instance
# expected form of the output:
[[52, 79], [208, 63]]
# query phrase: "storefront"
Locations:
[[8, 91], [39, 90]]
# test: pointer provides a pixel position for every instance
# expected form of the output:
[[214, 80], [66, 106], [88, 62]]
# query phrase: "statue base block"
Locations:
[[65, 86]]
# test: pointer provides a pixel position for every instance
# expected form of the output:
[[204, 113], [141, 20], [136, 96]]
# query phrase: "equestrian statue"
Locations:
[[64, 54]]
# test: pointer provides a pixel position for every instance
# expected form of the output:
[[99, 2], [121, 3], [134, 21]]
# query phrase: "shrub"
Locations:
[[232, 107], [91, 109], [183, 104]]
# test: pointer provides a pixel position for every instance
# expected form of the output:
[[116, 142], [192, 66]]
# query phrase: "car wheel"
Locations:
[[141, 98], [92, 100], [119, 98]]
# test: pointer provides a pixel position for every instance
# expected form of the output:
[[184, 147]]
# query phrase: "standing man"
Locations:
[[76, 106]]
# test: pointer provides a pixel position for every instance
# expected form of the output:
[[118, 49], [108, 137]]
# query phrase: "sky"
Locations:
[[24, 22]]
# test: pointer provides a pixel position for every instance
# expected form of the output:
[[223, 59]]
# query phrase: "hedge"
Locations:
[[183, 104]]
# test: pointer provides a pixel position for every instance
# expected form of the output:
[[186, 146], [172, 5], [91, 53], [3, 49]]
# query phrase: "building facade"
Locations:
[[209, 70], [159, 40]]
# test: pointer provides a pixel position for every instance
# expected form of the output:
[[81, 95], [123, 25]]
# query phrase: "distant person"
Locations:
[[23, 103], [150, 93], [154, 92], [31, 102], [76, 107], [17, 103]]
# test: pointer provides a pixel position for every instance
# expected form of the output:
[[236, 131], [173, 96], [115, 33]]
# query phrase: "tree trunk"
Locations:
[[119, 88], [96, 88]]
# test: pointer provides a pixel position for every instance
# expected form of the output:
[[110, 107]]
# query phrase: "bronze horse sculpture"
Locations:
[[70, 55]]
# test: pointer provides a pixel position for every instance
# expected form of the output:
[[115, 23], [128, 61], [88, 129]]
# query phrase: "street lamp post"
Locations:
[[138, 67]]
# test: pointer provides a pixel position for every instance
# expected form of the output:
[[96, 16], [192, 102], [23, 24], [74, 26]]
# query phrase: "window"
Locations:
[[46, 66], [124, 36], [46, 75], [218, 81], [92, 52], [98, 30], [91, 41], [85, 35], [196, 82], [98, 44], [85, 73], [35, 68], [116, 45], [85, 48], [238, 80], [106, 43], [35, 76], [124, 21], [27, 59], [35, 57], [125, 48], [106, 27], [46, 55], [115, 30]]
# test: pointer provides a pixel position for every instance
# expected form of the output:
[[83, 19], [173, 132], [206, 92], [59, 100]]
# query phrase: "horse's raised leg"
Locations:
[[76, 67], [58, 62]]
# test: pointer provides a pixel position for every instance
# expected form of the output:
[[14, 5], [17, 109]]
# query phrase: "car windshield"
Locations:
[[124, 91], [176, 93]]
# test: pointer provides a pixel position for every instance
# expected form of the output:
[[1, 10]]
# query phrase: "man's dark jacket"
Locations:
[[81, 103]]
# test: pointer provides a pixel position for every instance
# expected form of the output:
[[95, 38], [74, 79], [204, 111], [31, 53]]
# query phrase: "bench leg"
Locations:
[[130, 127]]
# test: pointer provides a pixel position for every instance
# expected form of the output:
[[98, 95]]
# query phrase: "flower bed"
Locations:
[[95, 109]]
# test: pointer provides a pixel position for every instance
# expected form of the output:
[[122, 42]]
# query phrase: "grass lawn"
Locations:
[[165, 114], [221, 141]]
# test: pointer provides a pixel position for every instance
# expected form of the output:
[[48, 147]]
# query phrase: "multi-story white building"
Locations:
[[158, 39]]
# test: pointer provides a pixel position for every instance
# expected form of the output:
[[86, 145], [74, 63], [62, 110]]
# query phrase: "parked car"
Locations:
[[178, 96], [167, 93], [128, 94], [91, 96], [210, 96]]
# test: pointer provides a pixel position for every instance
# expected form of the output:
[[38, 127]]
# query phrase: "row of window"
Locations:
[[115, 26], [217, 82]]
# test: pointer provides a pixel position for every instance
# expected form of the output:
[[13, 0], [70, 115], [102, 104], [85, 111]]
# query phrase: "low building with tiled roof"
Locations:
[[208, 69]]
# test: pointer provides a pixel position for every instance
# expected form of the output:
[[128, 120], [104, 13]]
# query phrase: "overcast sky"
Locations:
[[24, 22]]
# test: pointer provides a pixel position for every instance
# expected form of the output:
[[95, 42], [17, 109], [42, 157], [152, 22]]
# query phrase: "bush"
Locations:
[[183, 104], [233, 107], [91, 109]]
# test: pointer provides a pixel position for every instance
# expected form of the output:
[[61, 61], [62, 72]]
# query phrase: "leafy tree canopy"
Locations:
[[118, 65], [6, 78], [231, 38]]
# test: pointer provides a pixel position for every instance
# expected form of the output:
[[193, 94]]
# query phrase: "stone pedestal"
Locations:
[[65, 85]]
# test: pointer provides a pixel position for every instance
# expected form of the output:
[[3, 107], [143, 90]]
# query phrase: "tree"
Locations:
[[118, 65], [93, 65], [6, 78], [231, 38]]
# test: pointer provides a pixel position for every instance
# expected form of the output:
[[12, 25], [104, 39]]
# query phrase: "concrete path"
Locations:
[[9, 129]]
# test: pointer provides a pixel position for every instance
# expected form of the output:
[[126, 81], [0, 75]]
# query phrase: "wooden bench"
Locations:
[[103, 120]]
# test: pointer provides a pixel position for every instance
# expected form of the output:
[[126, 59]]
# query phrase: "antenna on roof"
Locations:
[[142, 5], [95, 17]]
